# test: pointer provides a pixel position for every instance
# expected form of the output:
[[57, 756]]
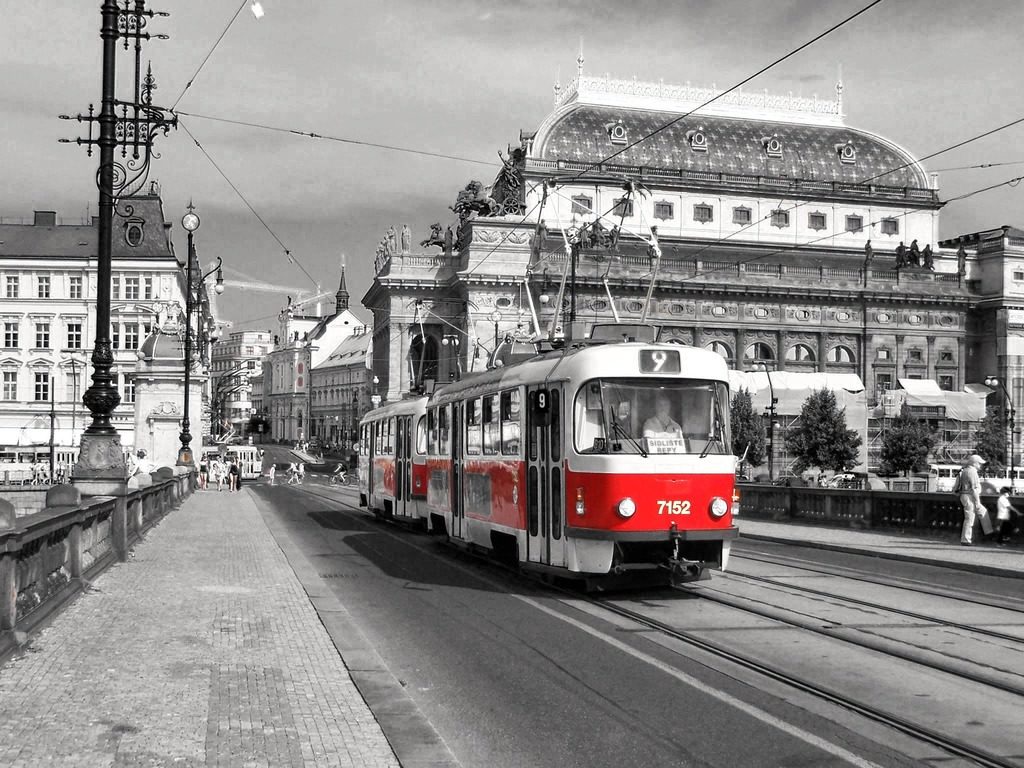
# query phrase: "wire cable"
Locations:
[[980, 165], [325, 137], [208, 55], [291, 257]]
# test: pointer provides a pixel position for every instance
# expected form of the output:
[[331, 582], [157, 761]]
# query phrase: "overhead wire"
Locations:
[[291, 257], [339, 139], [208, 55]]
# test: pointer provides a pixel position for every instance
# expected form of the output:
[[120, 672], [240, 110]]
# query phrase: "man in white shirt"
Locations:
[[969, 488], [661, 424]]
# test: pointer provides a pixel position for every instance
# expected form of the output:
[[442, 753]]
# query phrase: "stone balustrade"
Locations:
[[48, 556], [855, 508]]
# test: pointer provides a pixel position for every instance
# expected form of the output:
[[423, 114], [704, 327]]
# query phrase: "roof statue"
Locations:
[[901, 256], [961, 260], [928, 258], [391, 241], [406, 239], [869, 253], [915, 254], [436, 236], [508, 190], [449, 241]]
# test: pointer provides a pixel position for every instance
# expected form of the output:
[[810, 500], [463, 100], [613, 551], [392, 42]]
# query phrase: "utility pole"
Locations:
[[101, 460]]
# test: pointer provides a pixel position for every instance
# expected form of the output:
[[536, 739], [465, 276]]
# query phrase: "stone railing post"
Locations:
[[8, 561]]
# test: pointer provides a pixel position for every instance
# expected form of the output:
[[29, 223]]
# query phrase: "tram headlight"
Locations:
[[719, 507], [627, 507]]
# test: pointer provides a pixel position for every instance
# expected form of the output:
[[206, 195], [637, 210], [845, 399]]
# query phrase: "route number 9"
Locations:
[[659, 361]]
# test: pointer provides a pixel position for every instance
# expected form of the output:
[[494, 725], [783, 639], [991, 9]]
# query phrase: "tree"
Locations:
[[991, 440], [821, 438], [747, 429], [906, 444]]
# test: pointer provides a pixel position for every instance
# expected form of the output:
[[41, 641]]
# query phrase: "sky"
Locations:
[[461, 78]]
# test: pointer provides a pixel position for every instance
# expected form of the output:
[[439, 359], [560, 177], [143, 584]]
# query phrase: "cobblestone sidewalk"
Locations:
[[203, 649]]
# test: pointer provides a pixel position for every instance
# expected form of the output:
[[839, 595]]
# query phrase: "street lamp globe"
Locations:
[[991, 381], [190, 221]]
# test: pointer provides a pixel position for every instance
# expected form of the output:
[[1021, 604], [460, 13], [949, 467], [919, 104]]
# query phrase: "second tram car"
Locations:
[[598, 462]]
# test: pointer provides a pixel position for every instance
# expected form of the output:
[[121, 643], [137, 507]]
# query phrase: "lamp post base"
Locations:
[[101, 469]]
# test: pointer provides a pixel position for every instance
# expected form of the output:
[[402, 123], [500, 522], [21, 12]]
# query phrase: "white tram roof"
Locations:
[[583, 363]]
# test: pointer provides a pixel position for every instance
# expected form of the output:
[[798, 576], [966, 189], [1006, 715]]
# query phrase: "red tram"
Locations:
[[596, 462]]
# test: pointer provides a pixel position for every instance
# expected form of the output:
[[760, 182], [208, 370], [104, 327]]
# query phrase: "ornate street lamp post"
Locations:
[[993, 381], [190, 221], [763, 366]]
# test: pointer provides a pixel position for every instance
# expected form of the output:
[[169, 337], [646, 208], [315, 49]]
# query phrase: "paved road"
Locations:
[[510, 676]]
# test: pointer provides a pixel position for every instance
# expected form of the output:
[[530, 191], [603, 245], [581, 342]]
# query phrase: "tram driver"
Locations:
[[661, 424]]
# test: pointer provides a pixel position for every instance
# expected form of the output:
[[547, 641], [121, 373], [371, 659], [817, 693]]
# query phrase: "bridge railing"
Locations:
[[48, 556], [855, 508]]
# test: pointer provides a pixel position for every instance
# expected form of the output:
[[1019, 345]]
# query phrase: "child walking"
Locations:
[[1005, 512]]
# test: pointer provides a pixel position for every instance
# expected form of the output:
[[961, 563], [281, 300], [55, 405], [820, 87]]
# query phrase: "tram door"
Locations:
[[457, 506], [402, 467], [545, 493]]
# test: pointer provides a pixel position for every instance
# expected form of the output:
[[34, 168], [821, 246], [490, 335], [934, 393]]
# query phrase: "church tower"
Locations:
[[341, 297]]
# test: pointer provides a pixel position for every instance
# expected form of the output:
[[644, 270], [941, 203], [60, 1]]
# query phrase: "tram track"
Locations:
[[785, 585], [1004, 602], [922, 733]]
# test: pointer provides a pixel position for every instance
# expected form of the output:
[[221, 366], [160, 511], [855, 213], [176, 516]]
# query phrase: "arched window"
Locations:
[[719, 348], [800, 353], [840, 354], [758, 351], [423, 357]]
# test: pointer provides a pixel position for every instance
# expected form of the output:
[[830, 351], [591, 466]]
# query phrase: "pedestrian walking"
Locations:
[[1005, 514], [204, 472], [271, 472], [220, 472], [302, 472], [968, 486], [233, 477]]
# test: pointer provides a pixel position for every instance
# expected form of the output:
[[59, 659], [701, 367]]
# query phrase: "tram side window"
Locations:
[[510, 414], [389, 431], [473, 427], [443, 434], [555, 427], [432, 432], [421, 435], [490, 423]]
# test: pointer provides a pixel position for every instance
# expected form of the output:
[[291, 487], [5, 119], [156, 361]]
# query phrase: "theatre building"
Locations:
[[762, 227]]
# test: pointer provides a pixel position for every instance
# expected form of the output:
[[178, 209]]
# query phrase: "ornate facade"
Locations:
[[760, 227]]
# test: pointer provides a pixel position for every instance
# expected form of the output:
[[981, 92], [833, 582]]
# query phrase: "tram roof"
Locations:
[[585, 362]]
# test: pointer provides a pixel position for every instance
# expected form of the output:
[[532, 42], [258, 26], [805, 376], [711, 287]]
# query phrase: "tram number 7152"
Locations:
[[673, 507]]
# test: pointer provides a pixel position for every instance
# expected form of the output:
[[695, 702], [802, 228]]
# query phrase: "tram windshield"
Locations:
[[652, 416]]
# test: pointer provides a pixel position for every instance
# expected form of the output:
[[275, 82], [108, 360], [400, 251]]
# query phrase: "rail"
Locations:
[[855, 508], [47, 557]]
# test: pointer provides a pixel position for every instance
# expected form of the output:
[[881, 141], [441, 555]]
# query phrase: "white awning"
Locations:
[[920, 386]]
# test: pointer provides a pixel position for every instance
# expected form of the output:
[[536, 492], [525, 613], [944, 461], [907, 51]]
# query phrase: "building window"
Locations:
[[840, 354], [43, 287], [10, 385], [133, 233], [1018, 274], [131, 336], [129, 389], [817, 221], [75, 335], [12, 286], [883, 381], [945, 356], [664, 210], [758, 351], [582, 204], [43, 335], [800, 353], [884, 354], [147, 288], [42, 388], [946, 383], [720, 349], [914, 355], [115, 335], [854, 223], [741, 215], [890, 226], [623, 207], [131, 288], [75, 288], [703, 213], [115, 287], [780, 218], [11, 335]]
